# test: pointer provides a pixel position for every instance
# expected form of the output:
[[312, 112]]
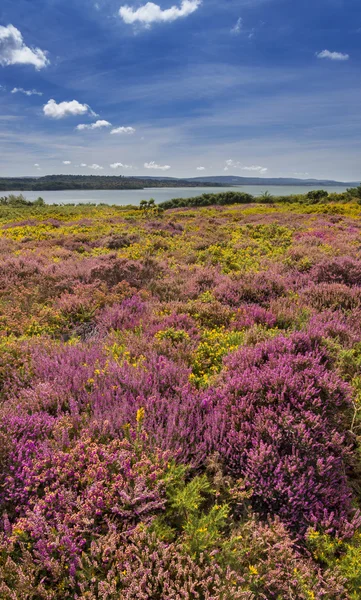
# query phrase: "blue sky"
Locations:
[[245, 87]]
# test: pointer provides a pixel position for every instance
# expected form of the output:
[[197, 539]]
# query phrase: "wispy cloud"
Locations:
[[95, 167], [153, 165], [97, 125], [13, 50], [332, 55], [120, 165], [66, 162], [121, 130], [201, 168], [236, 30], [152, 13], [66, 109], [26, 92], [256, 168], [231, 164]]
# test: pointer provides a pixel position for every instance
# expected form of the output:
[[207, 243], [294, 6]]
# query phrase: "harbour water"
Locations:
[[133, 197]]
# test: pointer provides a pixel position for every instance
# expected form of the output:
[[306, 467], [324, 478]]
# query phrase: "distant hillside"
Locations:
[[102, 182], [234, 180], [91, 182]]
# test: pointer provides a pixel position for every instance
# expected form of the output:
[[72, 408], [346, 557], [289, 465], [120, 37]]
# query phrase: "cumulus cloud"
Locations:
[[120, 130], [13, 50], [66, 162], [83, 165], [97, 125], [66, 109], [36, 165], [238, 165], [332, 55], [26, 92], [236, 30], [120, 165], [201, 168], [95, 167], [153, 165], [152, 13]]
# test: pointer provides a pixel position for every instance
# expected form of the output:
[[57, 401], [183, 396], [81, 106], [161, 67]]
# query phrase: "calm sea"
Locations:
[[133, 197]]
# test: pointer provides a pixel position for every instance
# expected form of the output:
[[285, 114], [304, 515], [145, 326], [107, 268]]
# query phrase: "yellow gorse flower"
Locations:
[[140, 415]]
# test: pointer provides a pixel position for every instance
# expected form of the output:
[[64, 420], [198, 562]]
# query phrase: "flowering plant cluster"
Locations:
[[180, 402]]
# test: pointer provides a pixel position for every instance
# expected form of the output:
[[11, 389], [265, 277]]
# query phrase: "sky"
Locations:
[[181, 88]]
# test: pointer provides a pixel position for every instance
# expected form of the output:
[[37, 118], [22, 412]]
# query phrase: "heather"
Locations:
[[180, 400]]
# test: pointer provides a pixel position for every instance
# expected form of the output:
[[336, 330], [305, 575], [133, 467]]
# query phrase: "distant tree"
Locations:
[[317, 194], [150, 208], [265, 198], [355, 192]]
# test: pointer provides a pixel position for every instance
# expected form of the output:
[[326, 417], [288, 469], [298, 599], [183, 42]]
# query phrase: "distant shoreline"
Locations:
[[101, 182]]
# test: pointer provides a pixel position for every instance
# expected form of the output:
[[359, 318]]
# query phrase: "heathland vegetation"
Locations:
[[180, 388]]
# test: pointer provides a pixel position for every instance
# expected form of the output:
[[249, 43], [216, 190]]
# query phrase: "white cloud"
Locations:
[[26, 92], [153, 165], [65, 109], [152, 13], [120, 130], [66, 162], [83, 165], [201, 168], [36, 165], [237, 165], [256, 168], [13, 51], [236, 30], [332, 55], [95, 167], [120, 165], [96, 125]]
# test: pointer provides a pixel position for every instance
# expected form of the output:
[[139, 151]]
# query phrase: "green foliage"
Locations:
[[20, 200], [317, 194], [147, 204], [149, 208], [192, 515], [208, 359], [355, 192], [173, 335], [266, 198], [339, 555], [222, 198]]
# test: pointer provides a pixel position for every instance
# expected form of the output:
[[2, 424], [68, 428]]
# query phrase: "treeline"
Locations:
[[20, 200], [224, 198], [210, 200], [88, 182]]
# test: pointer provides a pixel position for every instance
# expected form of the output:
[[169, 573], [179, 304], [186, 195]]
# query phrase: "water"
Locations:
[[133, 197]]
